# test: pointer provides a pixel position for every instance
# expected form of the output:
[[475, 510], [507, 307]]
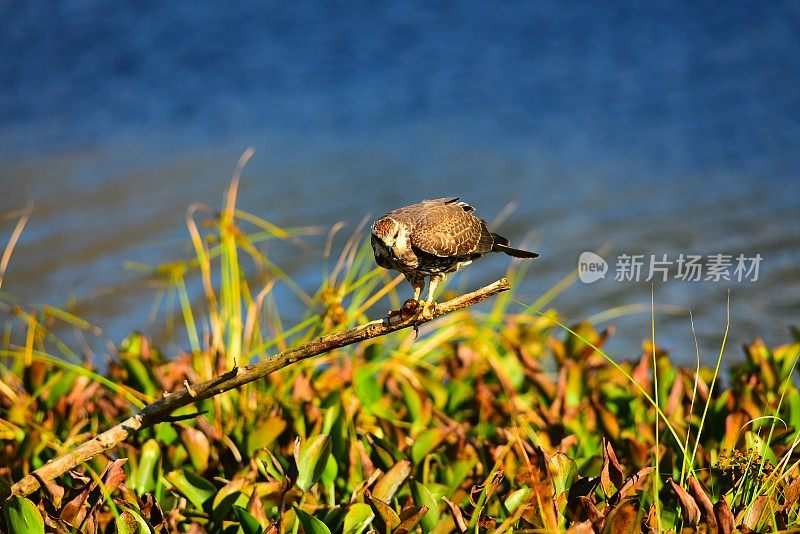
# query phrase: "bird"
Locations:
[[432, 239]]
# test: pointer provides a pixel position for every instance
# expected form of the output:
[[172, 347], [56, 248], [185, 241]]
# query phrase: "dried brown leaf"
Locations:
[[584, 527], [609, 423], [89, 525], [78, 511], [54, 492], [541, 510], [55, 525], [689, 508], [152, 511], [623, 518], [641, 373], [633, 482], [757, 515], [458, 515], [303, 391], [582, 487], [611, 476], [535, 470], [585, 509], [74, 511], [725, 519], [255, 507], [476, 490], [791, 494], [734, 422], [674, 402], [703, 502], [567, 443], [114, 475], [383, 512], [410, 518], [486, 522]]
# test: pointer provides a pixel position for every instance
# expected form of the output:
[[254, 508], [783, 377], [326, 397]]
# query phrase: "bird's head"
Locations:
[[387, 230]]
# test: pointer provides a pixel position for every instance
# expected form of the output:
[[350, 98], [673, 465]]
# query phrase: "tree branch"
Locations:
[[160, 410]]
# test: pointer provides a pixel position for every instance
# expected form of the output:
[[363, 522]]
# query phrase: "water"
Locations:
[[664, 128]]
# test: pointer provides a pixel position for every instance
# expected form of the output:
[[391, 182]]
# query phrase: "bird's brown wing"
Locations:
[[448, 229], [413, 213]]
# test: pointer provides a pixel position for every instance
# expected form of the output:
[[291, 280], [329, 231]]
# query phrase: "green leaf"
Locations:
[[457, 471], [166, 434], [264, 433], [459, 392], [787, 356], [575, 387], [387, 446], [194, 487], [793, 401], [563, 470], [310, 524], [333, 411], [435, 390], [59, 386], [516, 499], [224, 500], [23, 516], [358, 518], [426, 442], [513, 369], [329, 475], [423, 497], [196, 444], [131, 351], [367, 388], [131, 522], [139, 375], [311, 459], [247, 521], [334, 518], [143, 479], [390, 482], [334, 423], [755, 442], [414, 403]]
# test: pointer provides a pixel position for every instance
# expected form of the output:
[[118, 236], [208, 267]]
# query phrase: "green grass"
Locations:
[[504, 418]]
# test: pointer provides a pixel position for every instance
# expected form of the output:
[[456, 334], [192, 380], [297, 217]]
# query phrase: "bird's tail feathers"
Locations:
[[501, 245]]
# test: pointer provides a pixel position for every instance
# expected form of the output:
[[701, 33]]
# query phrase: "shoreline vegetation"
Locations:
[[496, 418]]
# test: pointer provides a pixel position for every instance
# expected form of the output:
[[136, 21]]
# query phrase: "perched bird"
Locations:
[[434, 238]]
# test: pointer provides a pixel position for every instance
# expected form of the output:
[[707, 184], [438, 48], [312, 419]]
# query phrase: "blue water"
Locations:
[[658, 128]]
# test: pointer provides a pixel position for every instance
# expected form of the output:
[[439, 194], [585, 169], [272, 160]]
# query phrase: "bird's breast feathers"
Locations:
[[398, 254]]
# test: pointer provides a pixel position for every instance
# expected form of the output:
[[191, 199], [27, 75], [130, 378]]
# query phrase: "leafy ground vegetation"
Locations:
[[493, 420]]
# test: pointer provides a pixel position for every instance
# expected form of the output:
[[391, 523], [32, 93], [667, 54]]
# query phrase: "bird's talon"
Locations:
[[406, 312], [426, 309]]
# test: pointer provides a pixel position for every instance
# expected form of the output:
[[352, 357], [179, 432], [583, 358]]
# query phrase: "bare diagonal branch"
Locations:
[[160, 410]]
